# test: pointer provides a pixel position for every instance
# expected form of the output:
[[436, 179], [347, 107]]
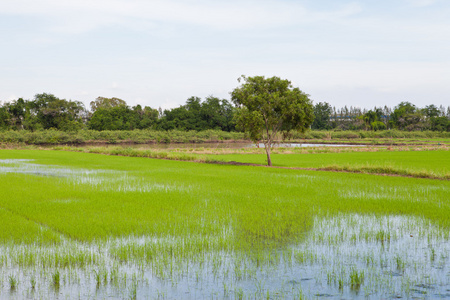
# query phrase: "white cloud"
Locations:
[[153, 51], [83, 15]]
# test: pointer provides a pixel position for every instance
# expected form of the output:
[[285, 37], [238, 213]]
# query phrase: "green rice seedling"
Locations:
[[369, 260], [56, 279], [225, 289], [356, 279], [239, 294], [98, 279], [340, 283], [400, 264], [329, 278], [13, 282], [105, 277], [242, 220], [418, 164], [33, 282], [299, 295], [133, 290], [300, 257], [383, 236], [259, 286], [432, 254]]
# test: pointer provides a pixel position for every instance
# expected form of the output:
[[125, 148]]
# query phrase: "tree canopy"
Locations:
[[322, 113], [267, 106], [106, 103], [213, 113], [46, 111]]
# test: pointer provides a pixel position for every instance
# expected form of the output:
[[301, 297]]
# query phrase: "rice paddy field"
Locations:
[[425, 163], [76, 225]]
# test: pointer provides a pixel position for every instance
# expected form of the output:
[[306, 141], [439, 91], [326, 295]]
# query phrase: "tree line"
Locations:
[[46, 111], [405, 116]]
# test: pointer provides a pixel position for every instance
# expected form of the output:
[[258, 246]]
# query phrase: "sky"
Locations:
[[158, 53]]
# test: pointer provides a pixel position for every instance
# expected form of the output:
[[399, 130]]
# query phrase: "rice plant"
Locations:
[[13, 282], [56, 279], [137, 225]]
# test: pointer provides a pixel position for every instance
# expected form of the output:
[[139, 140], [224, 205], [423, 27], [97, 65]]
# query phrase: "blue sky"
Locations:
[[159, 53]]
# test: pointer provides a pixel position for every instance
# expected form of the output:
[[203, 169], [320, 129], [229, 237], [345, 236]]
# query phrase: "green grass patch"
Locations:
[[422, 164], [261, 206], [16, 229]]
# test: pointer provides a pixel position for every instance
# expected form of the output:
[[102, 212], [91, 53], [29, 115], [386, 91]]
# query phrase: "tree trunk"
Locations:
[[269, 161]]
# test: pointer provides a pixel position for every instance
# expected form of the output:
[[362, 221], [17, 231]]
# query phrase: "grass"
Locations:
[[422, 164], [70, 211], [201, 199], [373, 160], [25, 231]]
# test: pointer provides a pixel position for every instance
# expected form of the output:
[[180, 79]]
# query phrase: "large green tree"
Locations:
[[213, 113], [372, 119], [115, 118], [106, 103], [322, 113], [4, 118], [146, 117], [217, 114], [267, 106], [17, 110], [407, 117], [53, 112]]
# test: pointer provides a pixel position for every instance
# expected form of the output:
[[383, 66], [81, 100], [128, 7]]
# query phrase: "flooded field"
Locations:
[[351, 255], [394, 257]]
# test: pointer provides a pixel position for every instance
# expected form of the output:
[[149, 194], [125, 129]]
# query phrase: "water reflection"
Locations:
[[103, 180], [343, 257]]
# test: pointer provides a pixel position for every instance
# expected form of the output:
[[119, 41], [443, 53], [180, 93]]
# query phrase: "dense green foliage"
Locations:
[[322, 113], [116, 136], [213, 113], [46, 111], [123, 118], [267, 106], [405, 116]]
